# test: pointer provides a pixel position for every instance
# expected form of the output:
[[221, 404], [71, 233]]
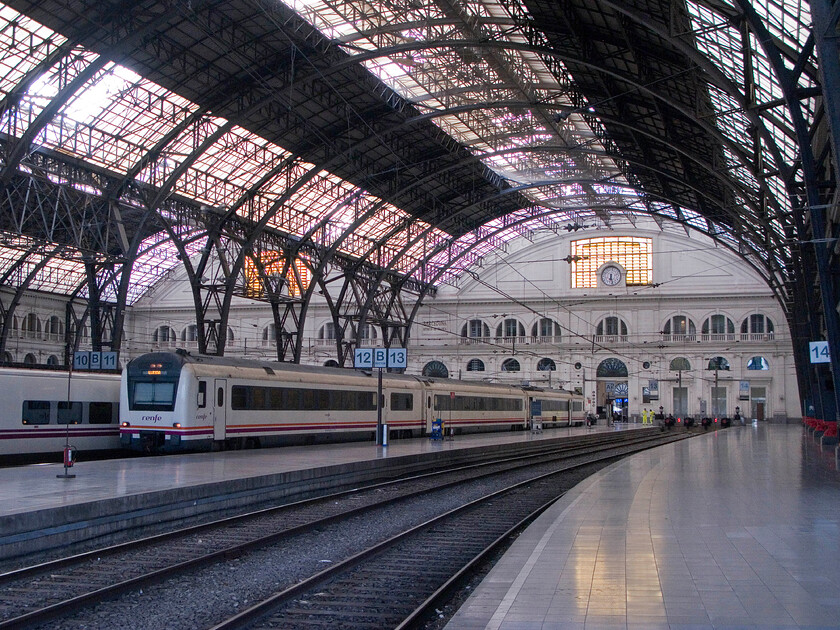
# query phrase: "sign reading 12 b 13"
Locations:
[[379, 358]]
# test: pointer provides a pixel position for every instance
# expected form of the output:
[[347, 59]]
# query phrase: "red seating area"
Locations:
[[827, 429]]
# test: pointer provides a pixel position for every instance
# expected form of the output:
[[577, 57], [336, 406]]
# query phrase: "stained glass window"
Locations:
[[635, 255]]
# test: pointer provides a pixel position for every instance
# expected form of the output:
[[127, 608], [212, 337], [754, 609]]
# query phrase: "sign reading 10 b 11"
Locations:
[[95, 360], [380, 358]]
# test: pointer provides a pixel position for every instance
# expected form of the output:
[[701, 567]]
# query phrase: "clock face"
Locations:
[[611, 275]]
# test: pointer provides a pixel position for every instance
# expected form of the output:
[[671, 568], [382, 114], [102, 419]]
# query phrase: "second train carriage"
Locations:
[[178, 401], [41, 410]]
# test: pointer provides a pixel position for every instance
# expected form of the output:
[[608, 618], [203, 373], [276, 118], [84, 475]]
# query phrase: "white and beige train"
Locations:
[[175, 401], [42, 410]]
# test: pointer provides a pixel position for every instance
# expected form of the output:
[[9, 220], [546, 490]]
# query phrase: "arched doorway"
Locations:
[[612, 389]]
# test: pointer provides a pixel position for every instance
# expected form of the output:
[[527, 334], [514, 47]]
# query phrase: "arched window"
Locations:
[[679, 328], [190, 334], [366, 332], [546, 328], [510, 328], [718, 363], [30, 359], [758, 363], [680, 364], [611, 368], [757, 327], [475, 365], [31, 325], [435, 369], [718, 328], [230, 337], [164, 335], [611, 327], [269, 335], [55, 328], [546, 365], [327, 331], [475, 329], [8, 358], [331, 363], [83, 331], [53, 360], [510, 365]]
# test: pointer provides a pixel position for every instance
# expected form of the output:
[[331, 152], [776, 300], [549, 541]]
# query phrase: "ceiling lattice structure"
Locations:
[[397, 140]]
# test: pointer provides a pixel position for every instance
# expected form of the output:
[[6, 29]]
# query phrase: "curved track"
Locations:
[[35, 594]]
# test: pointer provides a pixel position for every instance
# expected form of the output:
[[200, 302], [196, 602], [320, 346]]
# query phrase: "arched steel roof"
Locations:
[[436, 129]]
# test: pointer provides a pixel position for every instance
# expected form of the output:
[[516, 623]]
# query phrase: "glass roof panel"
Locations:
[[438, 78], [25, 44], [119, 117], [723, 43]]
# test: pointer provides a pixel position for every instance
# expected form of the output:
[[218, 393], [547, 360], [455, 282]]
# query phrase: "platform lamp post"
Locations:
[[68, 450]]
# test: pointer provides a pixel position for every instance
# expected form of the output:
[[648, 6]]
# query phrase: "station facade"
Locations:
[[635, 319]]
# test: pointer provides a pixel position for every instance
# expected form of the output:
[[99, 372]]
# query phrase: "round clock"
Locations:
[[611, 275]]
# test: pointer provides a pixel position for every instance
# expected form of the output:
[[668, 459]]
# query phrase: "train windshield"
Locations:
[[158, 396], [153, 381]]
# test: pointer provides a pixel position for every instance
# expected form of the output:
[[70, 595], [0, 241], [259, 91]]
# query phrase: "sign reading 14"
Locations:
[[819, 352]]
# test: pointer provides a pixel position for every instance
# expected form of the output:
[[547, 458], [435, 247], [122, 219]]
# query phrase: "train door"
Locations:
[[219, 415]]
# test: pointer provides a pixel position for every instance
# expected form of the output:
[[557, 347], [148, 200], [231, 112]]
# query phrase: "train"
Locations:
[[42, 410], [177, 401]]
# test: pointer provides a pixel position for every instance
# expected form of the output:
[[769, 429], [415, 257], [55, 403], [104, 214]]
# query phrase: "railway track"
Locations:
[[36, 594], [399, 582]]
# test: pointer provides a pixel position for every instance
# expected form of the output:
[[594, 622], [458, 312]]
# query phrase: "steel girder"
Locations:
[[465, 204]]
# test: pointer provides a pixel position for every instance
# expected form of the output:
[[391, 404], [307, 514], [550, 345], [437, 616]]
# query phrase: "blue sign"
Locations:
[[819, 352]]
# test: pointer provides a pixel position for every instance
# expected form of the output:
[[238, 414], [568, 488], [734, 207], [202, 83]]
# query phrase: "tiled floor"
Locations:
[[735, 529]]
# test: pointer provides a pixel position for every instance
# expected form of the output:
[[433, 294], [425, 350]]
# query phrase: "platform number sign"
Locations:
[[367, 358], [83, 360], [397, 358], [363, 358], [819, 352], [380, 357]]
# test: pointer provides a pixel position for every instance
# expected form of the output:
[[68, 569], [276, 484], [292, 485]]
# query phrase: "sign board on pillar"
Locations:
[[819, 352]]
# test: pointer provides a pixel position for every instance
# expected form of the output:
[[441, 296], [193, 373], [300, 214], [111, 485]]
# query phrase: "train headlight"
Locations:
[[125, 424], [177, 425]]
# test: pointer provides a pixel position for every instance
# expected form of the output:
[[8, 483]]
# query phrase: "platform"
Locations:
[[736, 529], [38, 510]]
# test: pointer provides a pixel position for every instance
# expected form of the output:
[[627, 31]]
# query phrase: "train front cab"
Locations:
[[155, 396]]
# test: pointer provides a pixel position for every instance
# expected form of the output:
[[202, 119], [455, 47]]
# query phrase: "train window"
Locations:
[[308, 399], [322, 400], [69, 412], [220, 397], [402, 402], [291, 399], [101, 413], [36, 412], [275, 398], [154, 395], [258, 398], [202, 394], [365, 401], [238, 397], [577, 405]]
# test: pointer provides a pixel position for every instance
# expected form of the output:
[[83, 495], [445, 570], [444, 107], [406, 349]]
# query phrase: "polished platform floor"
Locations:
[[735, 529], [30, 488]]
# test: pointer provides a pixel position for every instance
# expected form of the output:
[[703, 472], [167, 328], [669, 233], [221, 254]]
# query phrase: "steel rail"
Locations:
[[549, 452], [262, 611]]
